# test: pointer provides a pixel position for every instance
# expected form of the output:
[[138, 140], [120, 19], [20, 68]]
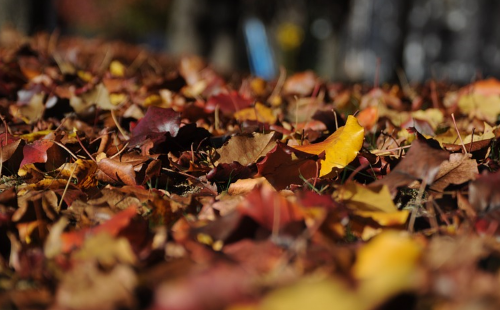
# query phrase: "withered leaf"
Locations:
[[246, 149], [457, 170], [88, 287], [112, 171], [283, 166], [422, 162], [483, 192], [154, 125]]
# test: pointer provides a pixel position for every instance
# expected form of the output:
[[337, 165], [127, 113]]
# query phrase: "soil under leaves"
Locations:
[[131, 181]]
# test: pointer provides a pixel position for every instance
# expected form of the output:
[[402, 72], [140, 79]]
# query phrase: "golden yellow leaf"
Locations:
[[32, 136], [373, 202], [326, 294], [82, 170], [117, 68], [433, 116], [258, 86], [340, 148], [84, 75], [117, 99], [482, 106], [152, 100], [387, 265], [259, 113], [106, 250]]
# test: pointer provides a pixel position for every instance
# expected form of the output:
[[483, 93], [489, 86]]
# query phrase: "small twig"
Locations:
[[441, 213], [418, 205], [191, 177], [471, 139], [391, 150], [120, 151], [83, 147], [65, 148], [7, 129], [357, 170], [279, 84], [192, 152], [336, 121], [39, 219], [432, 215], [120, 129], [458, 133], [66, 188]]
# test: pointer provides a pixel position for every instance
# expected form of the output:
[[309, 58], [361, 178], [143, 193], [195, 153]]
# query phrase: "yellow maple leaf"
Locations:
[[388, 265], [340, 148], [259, 113], [375, 203], [310, 293]]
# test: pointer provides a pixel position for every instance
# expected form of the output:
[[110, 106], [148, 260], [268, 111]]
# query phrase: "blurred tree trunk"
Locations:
[[15, 13], [28, 16]]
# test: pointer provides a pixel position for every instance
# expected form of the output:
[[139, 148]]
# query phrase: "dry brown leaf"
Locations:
[[246, 149], [112, 171], [422, 162], [457, 170]]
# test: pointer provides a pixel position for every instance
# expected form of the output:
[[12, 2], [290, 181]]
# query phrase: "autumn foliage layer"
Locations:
[[130, 181]]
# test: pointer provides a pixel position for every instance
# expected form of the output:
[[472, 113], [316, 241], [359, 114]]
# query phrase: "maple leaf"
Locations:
[[154, 125], [340, 148], [372, 202], [36, 152], [228, 103], [457, 170], [246, 149], [268, 208], [284, 165], [112, 171]]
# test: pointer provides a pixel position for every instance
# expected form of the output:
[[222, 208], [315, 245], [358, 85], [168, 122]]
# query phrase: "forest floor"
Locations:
[[131, 181]]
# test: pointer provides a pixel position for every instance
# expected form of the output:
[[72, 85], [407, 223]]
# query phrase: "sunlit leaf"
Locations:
[[259, 112], [388, 265], [375, 203], [340, 148]]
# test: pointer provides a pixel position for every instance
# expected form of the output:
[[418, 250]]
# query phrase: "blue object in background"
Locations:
[[259, 52]]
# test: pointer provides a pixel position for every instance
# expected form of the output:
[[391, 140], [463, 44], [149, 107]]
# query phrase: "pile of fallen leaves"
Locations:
[[129, 181]]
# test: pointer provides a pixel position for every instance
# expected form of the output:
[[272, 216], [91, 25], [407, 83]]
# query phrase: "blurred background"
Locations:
[[454, 40]]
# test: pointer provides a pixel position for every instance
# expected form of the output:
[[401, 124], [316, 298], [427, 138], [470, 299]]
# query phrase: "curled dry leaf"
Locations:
[[457, 170]]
